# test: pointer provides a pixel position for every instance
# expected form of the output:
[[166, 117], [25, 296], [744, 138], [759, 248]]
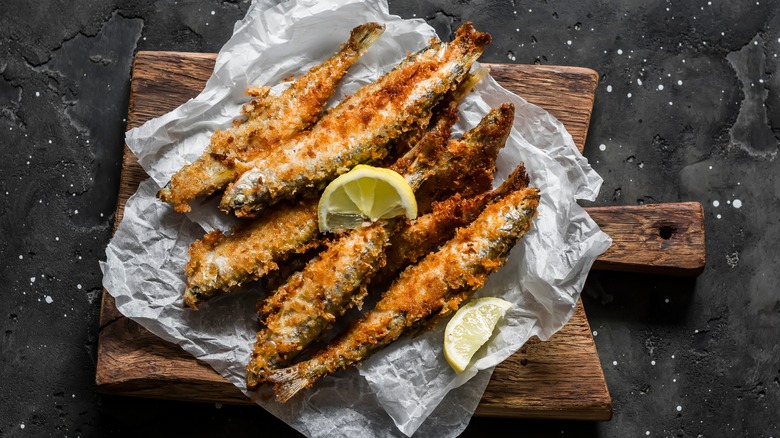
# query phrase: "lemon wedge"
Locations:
[[470, 328], [364, 193]]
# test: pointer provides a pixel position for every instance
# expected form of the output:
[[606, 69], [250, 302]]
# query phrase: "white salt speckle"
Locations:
[[620, 51], [755, 43], [37, 94], [595, 333], [49, 141], [652, 362], [628, 95], [614, 362], [78, 286], [609, 88], [728, 202], [638, 81], [674, 380], [672, 356], [666, 301], [710, 167], [670, 103], [32, 279], [647, 432], [715, 203], [75, 212], [21, 426], [213, 12], [48, 299], [679, 408], [718, 216], [568, 42], [21, 257], [696, 331], [737, 203], [679, 82], [57, 239], [602, 147], [660, 87]]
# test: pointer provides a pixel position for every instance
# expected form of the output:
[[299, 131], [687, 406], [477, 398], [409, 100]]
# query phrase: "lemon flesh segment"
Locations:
[[470, 328], [365, 193]]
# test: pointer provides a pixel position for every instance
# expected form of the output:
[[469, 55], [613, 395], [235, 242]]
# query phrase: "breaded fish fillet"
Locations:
[[360, 129], [434, 287], [307, 305], [270, 121], [416, 239], [219, 263]]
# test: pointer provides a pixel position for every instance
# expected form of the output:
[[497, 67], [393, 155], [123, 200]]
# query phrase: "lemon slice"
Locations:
[[364, 193], [470, 328]]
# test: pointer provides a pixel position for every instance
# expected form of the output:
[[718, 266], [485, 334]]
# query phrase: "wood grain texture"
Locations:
[[660, 239], [561, 378]]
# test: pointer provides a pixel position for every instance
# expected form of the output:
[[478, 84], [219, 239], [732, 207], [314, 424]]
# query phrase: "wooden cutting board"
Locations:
[[561, 378]]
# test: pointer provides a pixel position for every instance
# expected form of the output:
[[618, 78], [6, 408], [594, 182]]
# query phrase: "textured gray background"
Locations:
[[687, 109]]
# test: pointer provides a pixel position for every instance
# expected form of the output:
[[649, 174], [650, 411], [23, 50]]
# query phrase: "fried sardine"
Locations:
[[358, 130], [271, 121], [434, 287], [220, 263], [303, 308]]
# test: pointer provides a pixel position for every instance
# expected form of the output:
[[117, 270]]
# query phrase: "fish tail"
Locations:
[[471, 81], [288, 382], [517, 180], [363, 36], [466, 36], [165, 193]]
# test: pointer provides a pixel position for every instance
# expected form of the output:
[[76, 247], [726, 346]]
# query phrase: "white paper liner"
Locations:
[[408, 385]]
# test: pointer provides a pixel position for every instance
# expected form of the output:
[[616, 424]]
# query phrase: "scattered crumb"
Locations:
[[48, 299], [732, 259]]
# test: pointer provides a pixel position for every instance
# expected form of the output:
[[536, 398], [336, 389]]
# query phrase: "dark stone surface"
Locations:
[[687, 109]]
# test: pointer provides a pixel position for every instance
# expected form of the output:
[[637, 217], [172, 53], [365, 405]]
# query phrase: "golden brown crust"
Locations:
[[435, 286], [220, 263], [270, 121], [358, 130]]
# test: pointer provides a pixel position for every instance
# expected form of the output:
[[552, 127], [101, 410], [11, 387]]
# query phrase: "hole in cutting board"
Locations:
[[666, 231]]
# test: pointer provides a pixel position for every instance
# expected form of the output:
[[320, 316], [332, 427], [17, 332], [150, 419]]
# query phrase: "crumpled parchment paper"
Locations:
[[407, 387]]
